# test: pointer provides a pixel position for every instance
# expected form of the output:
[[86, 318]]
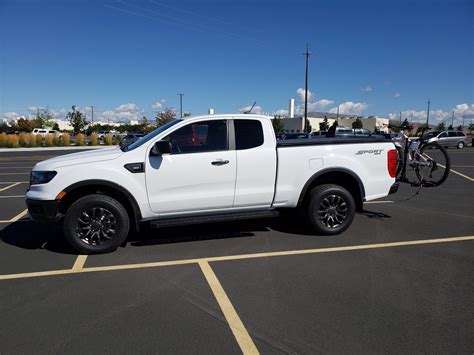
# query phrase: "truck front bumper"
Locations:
[[43, 211]]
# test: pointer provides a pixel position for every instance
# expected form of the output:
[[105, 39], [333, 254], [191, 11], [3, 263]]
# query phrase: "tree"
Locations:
[[43, 119], [460, 128], [471, 128], [24, 125], [423, 127], [357, 123], [307, 126], [406, 125], [324, 125], [77, 120], [56, 126], [441, 126], [278, 125], [165, 116], [187, 114], [450, 128]]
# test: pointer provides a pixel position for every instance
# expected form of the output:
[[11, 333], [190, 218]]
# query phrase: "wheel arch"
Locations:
[[339, 176], [108, 188]]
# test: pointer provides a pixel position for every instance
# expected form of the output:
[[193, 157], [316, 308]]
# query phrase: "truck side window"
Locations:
[[198, 137], [248, 134]]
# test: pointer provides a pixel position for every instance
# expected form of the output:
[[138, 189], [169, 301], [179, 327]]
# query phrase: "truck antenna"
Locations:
[[251, 108]]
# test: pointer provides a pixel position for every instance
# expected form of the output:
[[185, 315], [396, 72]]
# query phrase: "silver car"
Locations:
[[449, 138]]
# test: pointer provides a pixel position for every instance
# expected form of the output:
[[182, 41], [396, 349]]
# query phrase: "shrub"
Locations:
[[39, 140], [48, 140], [80, 139], [23, 138], [31, 140], [65, 139], [12, 141], [3, 139], [108, 139], [56, 140], [94, 139]]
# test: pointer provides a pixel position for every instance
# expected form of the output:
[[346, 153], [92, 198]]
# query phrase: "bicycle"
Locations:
[[429, 160]]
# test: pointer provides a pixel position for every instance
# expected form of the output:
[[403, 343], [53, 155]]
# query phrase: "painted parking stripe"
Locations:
[[79, 264], [13, 196], [14, 173], [458, 173], [239, 257], [15, 167], [16, 218], [12, 185], [376, 202], [236, 326]]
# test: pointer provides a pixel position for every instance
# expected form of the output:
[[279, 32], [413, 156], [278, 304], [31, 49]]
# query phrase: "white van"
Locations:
[[44, 131]]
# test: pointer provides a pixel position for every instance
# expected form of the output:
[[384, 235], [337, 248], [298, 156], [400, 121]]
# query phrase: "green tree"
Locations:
[[278, 125], [165, 116], [307, 126], [324, 125], [357, 123], [56, 126], [460, 128], [43, 119], [450, 128], [187, 114], [471, 128], [77, 120], [441, 126], [406, 125]]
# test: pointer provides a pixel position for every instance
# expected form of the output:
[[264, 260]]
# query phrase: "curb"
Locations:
[[40, 149]]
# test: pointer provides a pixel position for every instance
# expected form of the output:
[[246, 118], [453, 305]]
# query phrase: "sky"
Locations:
[[131, 58]]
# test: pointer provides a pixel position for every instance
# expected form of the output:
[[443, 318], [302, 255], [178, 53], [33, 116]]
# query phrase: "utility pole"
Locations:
[[337, 115], [307, 54], [92, 109], [428, 114], [181, 105], [400, 117]]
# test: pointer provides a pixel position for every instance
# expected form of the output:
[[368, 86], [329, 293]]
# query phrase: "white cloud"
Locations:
[[437, 115], [281, 112], [158, 105], [367, 88], [301, 93], [350, 108], [396, 94], [122, 113], [319, 105], [11, 115], [256, 110]]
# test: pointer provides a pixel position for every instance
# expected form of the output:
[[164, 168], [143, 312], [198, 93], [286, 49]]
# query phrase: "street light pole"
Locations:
[[307, 54], [452, 119], [428, 114], [181, 104]]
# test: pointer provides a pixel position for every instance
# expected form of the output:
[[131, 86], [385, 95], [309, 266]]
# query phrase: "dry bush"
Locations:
[[48, 140], [65, 139], [13, 141], [31, 140], [39, 140], [3, 139], [94, 140], [80, 139], [23, 138], [108, 139]]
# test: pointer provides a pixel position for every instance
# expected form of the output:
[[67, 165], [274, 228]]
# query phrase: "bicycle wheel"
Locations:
[[432, 164], [401, 159]]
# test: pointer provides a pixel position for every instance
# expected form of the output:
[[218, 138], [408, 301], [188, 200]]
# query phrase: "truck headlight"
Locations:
[[41, 177]]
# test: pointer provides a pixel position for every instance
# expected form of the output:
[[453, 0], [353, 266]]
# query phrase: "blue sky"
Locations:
[[370, 57]]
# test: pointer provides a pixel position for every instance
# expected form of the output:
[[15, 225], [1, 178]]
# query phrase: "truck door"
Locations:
[[198, 175], [255, 145]]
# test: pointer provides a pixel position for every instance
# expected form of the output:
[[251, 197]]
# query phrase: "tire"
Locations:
[[437, 171], [96, 224], [338, 202], [460, 145]]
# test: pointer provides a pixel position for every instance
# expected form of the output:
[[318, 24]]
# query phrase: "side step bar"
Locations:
[[211, 218]]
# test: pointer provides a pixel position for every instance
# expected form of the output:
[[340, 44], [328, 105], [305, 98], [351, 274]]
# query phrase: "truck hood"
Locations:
[[91, 156]]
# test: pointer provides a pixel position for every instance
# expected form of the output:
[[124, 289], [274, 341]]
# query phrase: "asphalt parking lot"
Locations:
[[399, 280]]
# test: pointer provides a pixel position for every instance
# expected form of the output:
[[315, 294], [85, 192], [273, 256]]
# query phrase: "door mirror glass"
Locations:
[[160, 148]]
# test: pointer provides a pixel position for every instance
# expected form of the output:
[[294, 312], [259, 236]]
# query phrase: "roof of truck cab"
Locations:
[[227, 115]]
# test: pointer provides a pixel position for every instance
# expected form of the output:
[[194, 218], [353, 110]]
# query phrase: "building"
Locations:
[[295, 124]]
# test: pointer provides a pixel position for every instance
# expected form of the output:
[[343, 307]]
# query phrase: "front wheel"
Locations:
[[96, 224], [331, 209], [460, 145], [432, 164]]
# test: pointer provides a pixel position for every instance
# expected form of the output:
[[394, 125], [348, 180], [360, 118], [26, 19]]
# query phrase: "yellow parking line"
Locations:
[[238, 329], [16, 218], [10, 186], [239, 257], [79, 264]]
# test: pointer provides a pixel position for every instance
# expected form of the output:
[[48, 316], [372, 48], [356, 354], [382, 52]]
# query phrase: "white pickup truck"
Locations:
[[208, 169]]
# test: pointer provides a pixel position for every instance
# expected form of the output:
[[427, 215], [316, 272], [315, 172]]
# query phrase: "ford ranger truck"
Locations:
[[208, 169]]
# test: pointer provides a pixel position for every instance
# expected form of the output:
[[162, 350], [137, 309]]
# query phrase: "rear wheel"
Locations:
[[96, 224], [432, 164], [331, 209], [460, 145]]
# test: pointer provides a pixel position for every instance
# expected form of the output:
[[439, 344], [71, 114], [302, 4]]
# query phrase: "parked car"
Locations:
[[129, 138], [295, 136], [101, 135], [208, 169], [45, 131], [449, 138], [341, 131]]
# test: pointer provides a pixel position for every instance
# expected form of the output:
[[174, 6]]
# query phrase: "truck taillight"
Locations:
[[392, 162]]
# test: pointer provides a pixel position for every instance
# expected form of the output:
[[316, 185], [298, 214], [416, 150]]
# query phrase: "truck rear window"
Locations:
[[248, 134]]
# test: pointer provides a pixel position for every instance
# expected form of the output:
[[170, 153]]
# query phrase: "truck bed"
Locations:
[[329, 140]]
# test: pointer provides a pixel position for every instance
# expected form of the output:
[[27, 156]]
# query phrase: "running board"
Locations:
[[211, 218]]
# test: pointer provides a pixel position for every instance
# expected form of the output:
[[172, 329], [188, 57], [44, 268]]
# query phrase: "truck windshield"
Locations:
[[150, 135]]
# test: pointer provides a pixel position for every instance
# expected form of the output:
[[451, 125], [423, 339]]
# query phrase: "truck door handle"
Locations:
[[220, 162]]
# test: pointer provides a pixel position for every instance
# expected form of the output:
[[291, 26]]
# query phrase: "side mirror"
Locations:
[[160, 148]]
